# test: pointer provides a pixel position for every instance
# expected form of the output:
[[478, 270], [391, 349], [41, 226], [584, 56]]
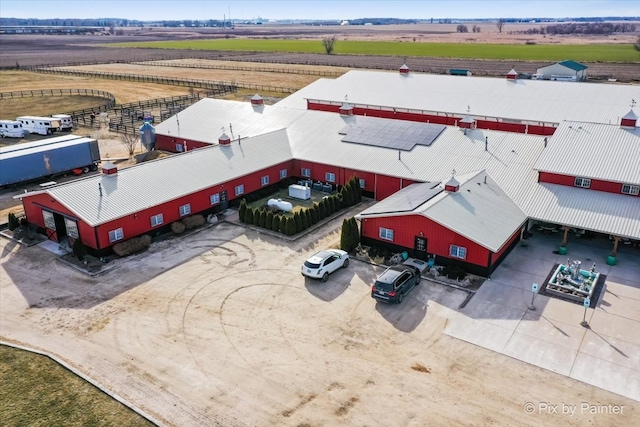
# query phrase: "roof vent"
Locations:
[[512, 75], [109, 169], [452, 186], [224, 139], [467, 122], [404, 69], [257, 100], [346, 109], [629, 120]]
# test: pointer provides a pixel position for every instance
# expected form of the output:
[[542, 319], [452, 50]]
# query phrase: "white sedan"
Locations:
[[320, 265]]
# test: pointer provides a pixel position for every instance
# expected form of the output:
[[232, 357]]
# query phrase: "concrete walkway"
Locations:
[[605, 355]]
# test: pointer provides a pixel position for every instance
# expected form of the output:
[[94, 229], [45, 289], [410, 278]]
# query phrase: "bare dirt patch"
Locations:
[[220, 328]]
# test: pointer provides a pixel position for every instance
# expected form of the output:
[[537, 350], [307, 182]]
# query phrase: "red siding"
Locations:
[[554, 178], [450, 120], [386, 186], [439, 238], [139, 223], [596, 184], [168, 143], [33, 206]]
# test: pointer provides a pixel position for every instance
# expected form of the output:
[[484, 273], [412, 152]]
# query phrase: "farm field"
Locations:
[[131, 307], [532, 52]]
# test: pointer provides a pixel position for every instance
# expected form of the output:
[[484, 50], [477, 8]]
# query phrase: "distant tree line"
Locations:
[[581, 28], [109, 22], [461, 28]]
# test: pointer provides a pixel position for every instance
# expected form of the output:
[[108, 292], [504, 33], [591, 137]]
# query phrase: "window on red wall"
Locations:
[[582, 182], [185, 209], [115, 235], [386, 234], [630, 189], [156, 220], [457, 252]]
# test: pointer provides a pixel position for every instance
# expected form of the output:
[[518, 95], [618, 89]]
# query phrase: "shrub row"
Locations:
[[290, 224]]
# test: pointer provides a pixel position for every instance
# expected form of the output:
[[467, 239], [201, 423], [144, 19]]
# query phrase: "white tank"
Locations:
[[283, 206]]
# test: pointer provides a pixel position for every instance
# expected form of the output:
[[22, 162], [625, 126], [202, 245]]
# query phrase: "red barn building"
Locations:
[[400, 156]]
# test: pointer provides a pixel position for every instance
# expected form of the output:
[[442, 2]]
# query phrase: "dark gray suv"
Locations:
[[396, 282]]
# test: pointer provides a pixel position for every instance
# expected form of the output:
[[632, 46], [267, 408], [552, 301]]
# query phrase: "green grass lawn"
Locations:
[[36, 391], [586, 53]]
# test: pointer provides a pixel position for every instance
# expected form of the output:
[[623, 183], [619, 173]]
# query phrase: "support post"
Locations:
[[566, 236], [616, 240]]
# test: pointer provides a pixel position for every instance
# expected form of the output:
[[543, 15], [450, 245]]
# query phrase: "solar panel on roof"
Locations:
[[389, 133]]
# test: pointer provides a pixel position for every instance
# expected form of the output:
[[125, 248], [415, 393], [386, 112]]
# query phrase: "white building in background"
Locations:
[[564, 71]]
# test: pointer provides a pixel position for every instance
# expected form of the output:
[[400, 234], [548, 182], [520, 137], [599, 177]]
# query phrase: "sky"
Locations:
[[153, 10]]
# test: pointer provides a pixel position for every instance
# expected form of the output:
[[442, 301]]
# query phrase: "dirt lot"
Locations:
[[220, 328]]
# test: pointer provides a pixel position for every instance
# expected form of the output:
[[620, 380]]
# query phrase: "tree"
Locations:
[[500, 24], [248, 215], [130, 141], [242, 209], [462, 28], [329, 44], [13, 221], [636, 45], [275, 224], [79, 249]]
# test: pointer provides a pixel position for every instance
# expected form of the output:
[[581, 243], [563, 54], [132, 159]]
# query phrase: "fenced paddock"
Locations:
[[191, 83]]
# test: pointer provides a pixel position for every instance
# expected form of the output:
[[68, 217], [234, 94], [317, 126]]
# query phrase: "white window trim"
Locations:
[[582, 182], [454, 251], [264, 180], [214, 199], [306, 172], [330, 177], [155, 218], [384, 233], [185, 209], [632, 190], [238, 190], [362, 182], [118, 234], [283, 173]]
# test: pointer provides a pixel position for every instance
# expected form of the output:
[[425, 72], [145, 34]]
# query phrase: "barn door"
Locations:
[[420, 248], [224, 200]]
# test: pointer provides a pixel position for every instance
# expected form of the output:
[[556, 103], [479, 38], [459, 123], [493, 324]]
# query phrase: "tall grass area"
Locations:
[[36, 391], [586, 53]]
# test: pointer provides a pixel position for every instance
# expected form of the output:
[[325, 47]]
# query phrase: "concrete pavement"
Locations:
[[605, 355]]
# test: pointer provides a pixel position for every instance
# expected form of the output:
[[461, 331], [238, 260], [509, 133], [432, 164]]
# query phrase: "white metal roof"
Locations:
[[524, 100], [480, 210], [509, 158], [153, 183], [205, 120], [597, 151], [599, 211], [298, 99]]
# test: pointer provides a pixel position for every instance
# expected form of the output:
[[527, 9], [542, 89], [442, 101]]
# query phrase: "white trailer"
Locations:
[[11, 129], [39, 125], [66, 121]]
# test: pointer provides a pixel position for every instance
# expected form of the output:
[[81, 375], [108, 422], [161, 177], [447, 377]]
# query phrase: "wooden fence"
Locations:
[[192, 83], [163, 63]]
